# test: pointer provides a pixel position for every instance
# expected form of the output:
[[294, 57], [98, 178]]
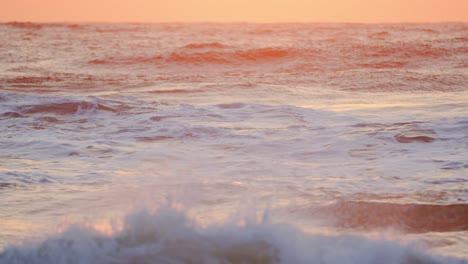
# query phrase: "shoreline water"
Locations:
[[364, 123]]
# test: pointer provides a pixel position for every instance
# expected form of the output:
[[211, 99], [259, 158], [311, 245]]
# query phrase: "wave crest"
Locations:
[[210, 45], [204, 56], [25, 25], [66, 108]]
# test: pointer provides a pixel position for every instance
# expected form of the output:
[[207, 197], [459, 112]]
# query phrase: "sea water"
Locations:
[[233, 143]]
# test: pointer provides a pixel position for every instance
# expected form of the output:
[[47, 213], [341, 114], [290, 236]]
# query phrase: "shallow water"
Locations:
[[346, 133]]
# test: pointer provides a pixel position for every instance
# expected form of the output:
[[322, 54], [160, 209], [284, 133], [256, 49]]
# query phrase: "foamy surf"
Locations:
[[168, 235], [361, 126]]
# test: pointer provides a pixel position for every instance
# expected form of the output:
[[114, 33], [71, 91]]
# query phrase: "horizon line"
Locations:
[[230, 22]]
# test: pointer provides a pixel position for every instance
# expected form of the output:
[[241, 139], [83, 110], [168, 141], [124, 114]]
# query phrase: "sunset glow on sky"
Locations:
[[234, 10]]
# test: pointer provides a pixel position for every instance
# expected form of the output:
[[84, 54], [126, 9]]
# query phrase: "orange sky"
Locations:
[[234, 10]]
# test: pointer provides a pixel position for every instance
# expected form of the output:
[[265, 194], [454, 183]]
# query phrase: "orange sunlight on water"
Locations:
[[234, 10]]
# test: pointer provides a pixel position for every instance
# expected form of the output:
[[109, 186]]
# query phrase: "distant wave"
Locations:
[[211, 45], [169, 236], [34, 81], [26, 25], [176, 91], [37, 26], [369, 56], [261, 31], [64, 108], [205, 57], [383, 64], [50, 82], [379, 35], [401, 50]]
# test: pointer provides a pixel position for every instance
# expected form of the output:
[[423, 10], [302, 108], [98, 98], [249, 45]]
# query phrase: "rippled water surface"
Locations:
[[244, 143]]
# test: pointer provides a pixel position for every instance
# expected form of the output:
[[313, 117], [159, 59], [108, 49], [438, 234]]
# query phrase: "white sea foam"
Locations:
[[169, 236]]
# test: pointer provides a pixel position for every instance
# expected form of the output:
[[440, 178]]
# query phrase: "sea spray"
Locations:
[[169, 235]]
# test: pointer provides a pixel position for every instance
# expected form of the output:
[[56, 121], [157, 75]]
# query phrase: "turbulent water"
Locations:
[[233, 143]]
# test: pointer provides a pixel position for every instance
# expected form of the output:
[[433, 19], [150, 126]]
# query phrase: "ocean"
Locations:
[[233, 143]]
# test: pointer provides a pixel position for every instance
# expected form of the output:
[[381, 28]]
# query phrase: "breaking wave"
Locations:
[[170, 236]]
